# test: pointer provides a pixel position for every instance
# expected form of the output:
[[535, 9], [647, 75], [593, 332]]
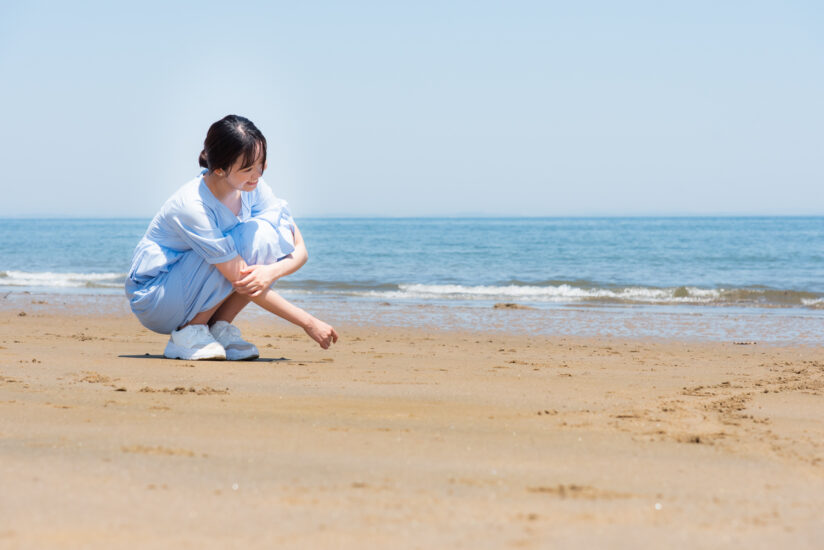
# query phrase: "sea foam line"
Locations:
[[61, 280], [551, 293], [814, 303], [562, 292], [566, 293]]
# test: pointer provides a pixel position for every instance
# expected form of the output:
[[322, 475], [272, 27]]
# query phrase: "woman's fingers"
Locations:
[[329, 337], [249, 284], [322, 333], [245, 280], [247, 289]]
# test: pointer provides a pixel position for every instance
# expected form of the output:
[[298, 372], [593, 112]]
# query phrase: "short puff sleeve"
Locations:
[[197, 227]]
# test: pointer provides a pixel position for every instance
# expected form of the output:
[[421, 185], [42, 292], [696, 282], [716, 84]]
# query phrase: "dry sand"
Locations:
[[404, 438]]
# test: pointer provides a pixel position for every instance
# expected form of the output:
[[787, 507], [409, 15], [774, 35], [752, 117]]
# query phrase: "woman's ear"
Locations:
[[220, 172]]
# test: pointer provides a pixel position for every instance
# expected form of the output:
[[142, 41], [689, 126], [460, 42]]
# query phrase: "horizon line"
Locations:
[[448, 216]]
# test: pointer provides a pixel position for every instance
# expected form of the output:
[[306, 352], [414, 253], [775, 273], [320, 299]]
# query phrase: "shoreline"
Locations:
[[404, 436], [765, 326]]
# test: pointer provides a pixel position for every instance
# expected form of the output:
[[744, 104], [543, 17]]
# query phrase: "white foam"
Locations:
[[62, 280], [557, 293]]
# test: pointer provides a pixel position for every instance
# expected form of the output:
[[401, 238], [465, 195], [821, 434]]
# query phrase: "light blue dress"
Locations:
[[173, 277]]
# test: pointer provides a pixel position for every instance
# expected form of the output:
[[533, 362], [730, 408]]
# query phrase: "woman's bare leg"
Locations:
[[228, 310], [203, 317]]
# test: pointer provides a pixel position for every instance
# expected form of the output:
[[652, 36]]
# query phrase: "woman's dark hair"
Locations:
[[230, 138]]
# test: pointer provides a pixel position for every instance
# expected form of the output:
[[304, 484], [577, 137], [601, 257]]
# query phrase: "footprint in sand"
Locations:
[[577, 491], [180, 390], [156, 450]]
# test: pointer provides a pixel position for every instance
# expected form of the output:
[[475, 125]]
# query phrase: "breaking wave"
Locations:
[[48, 279], [549, 292], [559, 292]]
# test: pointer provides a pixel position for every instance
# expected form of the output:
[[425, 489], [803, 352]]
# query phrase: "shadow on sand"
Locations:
[[258, 360]]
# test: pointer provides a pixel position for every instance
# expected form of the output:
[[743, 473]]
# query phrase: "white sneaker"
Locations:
[[237, 349], [195, 343]]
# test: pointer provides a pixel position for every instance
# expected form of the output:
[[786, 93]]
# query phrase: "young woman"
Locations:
[[217, 244]]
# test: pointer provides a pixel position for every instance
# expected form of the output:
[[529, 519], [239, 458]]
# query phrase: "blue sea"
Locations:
[[721, 267]]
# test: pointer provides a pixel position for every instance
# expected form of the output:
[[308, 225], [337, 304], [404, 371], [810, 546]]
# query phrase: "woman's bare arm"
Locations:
[[293, 261], [323, 333], [254, 279], [231, 269]]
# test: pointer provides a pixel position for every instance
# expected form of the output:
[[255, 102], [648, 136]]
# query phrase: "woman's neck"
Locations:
[[219, 188], [223, 192]]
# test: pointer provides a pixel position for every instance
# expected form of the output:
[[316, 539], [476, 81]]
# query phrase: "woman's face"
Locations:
[[245, 179]]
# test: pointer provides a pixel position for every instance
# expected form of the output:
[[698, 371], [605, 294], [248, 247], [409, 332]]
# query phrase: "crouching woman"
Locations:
[[216, 245]]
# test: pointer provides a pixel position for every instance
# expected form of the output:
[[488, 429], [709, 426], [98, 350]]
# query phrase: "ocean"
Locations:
[[718, 267]]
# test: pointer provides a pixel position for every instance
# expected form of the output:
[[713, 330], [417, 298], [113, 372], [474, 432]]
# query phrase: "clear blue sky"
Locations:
[[425, 108]]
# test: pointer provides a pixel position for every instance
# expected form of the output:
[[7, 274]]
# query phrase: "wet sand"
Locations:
[[403, 438]]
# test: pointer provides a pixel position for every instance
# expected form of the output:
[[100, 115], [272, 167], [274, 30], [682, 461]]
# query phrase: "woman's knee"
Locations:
[[257, 242]]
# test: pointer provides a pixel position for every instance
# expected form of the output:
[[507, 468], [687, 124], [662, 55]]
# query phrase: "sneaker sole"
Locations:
[[208, 353], [234, 355]]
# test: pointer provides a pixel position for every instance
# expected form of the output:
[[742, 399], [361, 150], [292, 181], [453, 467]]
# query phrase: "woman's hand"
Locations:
[[321, 333], [254, 279]]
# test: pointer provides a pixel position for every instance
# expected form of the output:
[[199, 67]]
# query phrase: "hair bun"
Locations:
[[202, 159]]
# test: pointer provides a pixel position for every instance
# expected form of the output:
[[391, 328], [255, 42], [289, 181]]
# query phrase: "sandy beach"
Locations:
[[403, 438]]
